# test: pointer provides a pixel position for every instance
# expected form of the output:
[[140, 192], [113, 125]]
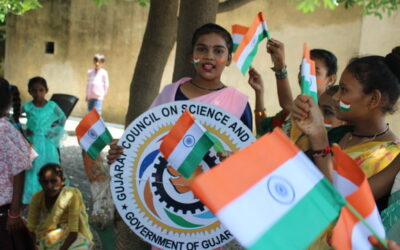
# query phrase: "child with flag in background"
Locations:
[[369, 90], [326, 68]]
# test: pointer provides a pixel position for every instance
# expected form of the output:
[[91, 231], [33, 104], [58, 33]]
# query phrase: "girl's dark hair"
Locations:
[[37, 79], [332, 90], [5, 95], [213, 28], [328, 57], [379, 73], [54, 167], [16, 104]]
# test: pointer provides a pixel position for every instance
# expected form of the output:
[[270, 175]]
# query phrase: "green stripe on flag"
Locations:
[[305, 221], [247, 63], [195, 156], [99, 144], [235, 46]]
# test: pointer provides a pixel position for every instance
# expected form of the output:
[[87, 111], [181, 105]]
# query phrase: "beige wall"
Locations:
[[80, 29]]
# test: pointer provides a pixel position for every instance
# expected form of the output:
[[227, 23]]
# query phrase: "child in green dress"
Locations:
[[45, 127]]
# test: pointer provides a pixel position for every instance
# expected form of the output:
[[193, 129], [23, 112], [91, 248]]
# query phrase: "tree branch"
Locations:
[[229, 5]]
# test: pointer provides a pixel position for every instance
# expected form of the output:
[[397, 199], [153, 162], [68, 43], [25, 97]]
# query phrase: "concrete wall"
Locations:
[[79, 29]]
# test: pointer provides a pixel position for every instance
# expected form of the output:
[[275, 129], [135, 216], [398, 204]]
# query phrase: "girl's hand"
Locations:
[[391, 243], [277, 51], [309, 119], [255, 81], [114, 152]]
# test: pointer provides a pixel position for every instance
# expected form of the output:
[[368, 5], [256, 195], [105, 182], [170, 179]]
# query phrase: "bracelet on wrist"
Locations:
[[263, 112], [281, 76], [322, 153], [280, 71], [13, 216]]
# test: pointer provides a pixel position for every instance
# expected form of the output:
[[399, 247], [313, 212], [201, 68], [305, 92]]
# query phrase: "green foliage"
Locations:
[[17, 7], [143, 3], [369, 7]]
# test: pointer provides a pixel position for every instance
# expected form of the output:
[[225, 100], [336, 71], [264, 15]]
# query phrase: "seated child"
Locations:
[[57, 215]]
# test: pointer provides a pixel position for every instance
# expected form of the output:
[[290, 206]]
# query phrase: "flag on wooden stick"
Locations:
[[238, 32], [350, 232], [281, 202], [248, 46], [93, 134], [308, 80], [186, 144]]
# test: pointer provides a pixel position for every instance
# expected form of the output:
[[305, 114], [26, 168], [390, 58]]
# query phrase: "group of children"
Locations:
[[354, 112], [351, 113], [30, 171]]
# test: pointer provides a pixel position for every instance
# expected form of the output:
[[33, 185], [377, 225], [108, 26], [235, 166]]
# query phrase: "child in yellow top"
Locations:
[[57, 215]]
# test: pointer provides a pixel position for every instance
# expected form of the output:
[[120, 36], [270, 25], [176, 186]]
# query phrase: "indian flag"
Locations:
[[350, 232], [308, 78], [327, 124], [344, 106], [186, 144], [93, 134], [247, 49], [238, 32], [280, 201]]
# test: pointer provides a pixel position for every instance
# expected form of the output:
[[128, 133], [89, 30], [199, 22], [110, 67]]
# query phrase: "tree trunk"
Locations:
[[158, 40], [229, 5], [192, 14]]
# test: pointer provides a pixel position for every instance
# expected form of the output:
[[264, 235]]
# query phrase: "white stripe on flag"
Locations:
[[360, 233], [305, 69], [343, 185], [88, 138], [181, 150], [250, 46], [302, 176], [236, 38]]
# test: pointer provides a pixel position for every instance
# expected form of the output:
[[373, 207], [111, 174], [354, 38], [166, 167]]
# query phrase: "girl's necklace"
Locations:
[[207, 89], [369, 137]]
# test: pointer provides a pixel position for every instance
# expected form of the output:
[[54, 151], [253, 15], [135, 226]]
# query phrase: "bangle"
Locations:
[[321, 153], [13, 216], [280, 71], [281, 76], [263, 112]]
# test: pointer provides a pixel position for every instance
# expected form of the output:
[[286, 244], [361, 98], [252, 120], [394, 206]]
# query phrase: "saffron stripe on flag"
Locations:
[[99, 144], [173, 138], [269, 208], [196, 155], [87, 139], [90, 119], [236, 180]]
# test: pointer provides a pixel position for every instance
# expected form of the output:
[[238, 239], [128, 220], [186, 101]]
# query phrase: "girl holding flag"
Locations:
[[369, 90], [212, 48]]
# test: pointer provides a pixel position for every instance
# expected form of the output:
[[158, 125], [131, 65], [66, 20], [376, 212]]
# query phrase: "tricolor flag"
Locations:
[[186, 144], [247, 49], [93, 134], [350, 181], [280, 201], [238, 32], [344, 106], [308, 80]]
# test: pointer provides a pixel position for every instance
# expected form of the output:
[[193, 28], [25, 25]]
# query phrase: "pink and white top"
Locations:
[[97, 84], [14, 158]]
